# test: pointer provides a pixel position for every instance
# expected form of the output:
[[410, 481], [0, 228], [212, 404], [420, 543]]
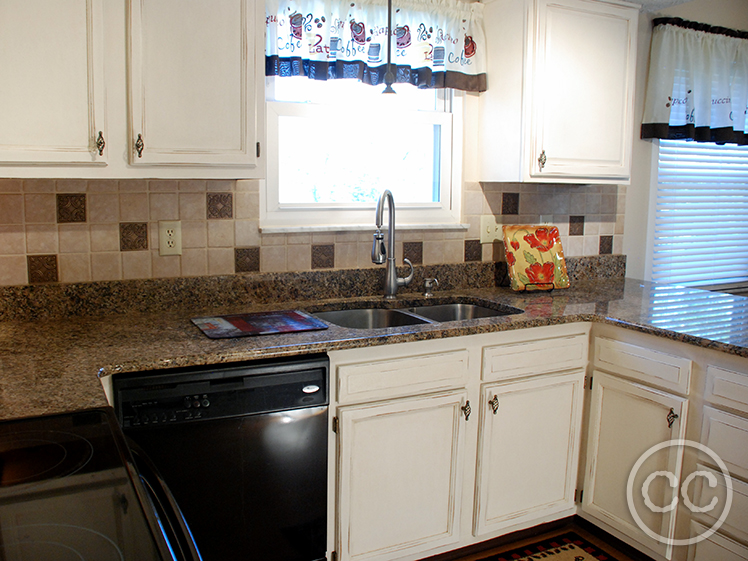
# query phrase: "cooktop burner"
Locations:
[[61, 542]]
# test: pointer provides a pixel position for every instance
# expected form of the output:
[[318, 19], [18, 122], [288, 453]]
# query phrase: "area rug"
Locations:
[[564, 547]]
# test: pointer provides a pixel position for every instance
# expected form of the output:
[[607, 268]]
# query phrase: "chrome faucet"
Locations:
[[379, 253]]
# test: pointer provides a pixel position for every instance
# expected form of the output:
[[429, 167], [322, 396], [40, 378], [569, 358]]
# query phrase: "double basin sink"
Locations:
[[379, 318]]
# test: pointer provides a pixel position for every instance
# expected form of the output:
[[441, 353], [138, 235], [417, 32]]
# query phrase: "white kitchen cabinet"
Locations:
[[399, 476], [52, 82], [193, 82], [560, 99], [528, 449], [626, 420]]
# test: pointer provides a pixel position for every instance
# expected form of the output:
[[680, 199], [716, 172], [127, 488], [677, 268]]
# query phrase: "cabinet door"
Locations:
[[626, 420], [582, 91], [528, 450], [51, 89], [193, 83], [399, 476]]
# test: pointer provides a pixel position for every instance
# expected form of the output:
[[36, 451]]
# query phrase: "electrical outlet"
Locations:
[[490, 229], [169, 237]]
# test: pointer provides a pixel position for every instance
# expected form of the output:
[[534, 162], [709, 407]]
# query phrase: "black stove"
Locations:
[[69, 491]]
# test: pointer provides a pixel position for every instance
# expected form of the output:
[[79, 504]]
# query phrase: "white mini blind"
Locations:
[[701, 216]]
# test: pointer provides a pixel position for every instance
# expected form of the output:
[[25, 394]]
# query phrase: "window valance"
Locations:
[[698, 83], [437, 43]]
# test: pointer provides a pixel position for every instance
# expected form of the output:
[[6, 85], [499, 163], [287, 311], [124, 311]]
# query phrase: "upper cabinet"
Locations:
[[143, 88], [192, 82], [559, 105], [52, 93]]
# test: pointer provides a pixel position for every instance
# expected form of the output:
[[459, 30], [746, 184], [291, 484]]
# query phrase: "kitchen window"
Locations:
[[701, 216], [334, 146]]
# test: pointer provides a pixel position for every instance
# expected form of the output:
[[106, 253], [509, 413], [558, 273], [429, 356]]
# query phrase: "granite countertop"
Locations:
[[52, 365]]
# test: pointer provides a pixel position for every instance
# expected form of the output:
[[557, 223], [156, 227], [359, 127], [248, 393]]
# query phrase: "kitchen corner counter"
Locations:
[[52, 365]]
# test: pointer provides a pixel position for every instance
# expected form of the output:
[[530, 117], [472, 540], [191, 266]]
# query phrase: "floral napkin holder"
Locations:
[[535, 257]]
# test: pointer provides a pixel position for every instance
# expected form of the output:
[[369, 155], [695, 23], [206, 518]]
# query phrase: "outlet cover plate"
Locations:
[[169, 237], [490, 228]]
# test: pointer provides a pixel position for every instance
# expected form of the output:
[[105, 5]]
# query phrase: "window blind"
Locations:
[[701, 215]]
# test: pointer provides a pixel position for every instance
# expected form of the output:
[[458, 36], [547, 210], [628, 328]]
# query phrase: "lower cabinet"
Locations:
[[527, 449], [399, 475], [626, 420]]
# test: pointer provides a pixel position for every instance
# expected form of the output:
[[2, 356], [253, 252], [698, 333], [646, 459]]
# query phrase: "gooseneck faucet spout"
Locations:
[[378, 252]]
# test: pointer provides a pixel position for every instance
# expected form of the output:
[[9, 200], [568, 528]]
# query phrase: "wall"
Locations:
[[640, 194]]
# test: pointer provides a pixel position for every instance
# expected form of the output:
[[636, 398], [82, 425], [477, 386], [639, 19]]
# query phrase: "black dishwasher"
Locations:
[[243, 449]]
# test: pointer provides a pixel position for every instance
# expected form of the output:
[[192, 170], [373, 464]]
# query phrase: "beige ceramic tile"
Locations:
[[39, 185], [11, 185], [591, 245], [11, 209], [194, 233], [473, 202], [104, 237], [40, 208], [103, 208], [324, 238], [71, 185], [363, 255], [346, 255], [247, 205], [41, 238], [299, 257], [136, 264], [618, 245], [165, 266], [12, 239], [193, 185], [247, 233], [447, 251], [273, 239], [273, 259], [346, 237], [298, 239], [106, 266], [13, 270], [74, 238], [164, 206], [133, 185], [221, 185], [103, 186], [194, 262], [220, 261], [252, 185], [192, 206], [220, 233], [74, 267], [162, 185], [133, 207], [573, 246]]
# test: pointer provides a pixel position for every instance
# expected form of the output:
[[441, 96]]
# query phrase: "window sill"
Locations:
[[357, 228]]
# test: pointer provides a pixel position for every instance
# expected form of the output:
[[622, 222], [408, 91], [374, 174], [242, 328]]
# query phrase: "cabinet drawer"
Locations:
[[652, 367], [512, 360], [402, 376], [715, 547], [727, 436], [736, 522], [727, 388]]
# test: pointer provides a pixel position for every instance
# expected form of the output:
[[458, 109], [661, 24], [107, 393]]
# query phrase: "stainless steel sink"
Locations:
[[460, 312], [370, 318]]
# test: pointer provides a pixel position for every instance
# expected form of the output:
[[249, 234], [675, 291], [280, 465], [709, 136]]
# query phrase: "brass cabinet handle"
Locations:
[[100, 144], [541, 160], [466, 410], [494, 403], [671, 416], [139, 145]]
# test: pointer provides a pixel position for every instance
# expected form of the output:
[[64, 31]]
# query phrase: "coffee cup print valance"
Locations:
[[435, 43]]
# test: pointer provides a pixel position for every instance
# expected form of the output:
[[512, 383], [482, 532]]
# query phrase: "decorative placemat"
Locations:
[[258, 323], [535, 257], [568, 546]]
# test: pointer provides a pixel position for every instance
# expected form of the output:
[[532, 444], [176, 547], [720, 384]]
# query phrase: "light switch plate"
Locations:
[[490, 228], [169, 237]]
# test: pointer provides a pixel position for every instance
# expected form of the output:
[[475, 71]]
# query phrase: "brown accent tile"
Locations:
[[42, 268], [323, 256], [576, 225], [247, 259], [510, 203], [473, 250], [71, 208], [133, 236], [220, 205], [606, 245], [414, 252]]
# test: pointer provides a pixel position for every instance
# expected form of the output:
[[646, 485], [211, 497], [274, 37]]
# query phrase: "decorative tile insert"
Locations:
[[42, 268], [133, 236], [414, 252], [220, 205], [323, 256], [576, 225], [606, 245], [510, 203], [247, 259], [71, 208], [473, 250]]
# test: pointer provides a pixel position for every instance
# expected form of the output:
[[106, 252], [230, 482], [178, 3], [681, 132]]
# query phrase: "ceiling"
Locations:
[[655, 5]]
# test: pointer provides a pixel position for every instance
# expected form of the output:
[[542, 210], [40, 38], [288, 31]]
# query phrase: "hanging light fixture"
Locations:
[[389, 76]]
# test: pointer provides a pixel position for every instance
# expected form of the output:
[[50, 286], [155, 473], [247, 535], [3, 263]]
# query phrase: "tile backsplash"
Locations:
[[71, 230]]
